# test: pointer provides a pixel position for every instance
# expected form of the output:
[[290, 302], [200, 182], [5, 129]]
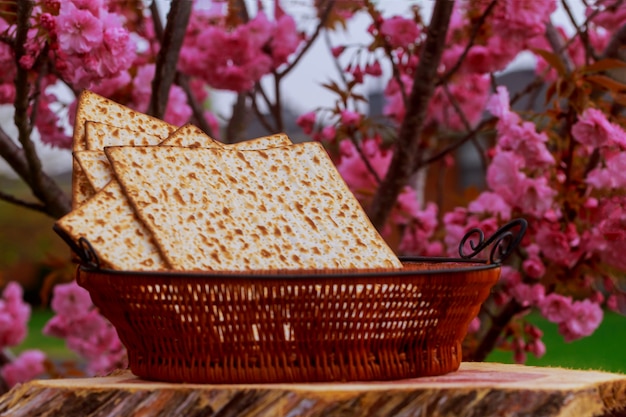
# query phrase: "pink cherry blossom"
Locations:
[[613, 176], [79, 30], [536, 197], [523, 139], [177, 112], [259, 29], [84, 329], [350, 118], [556, 245], [491, 203], [285, 39], [306, 122], [14, 315], [336, 51], [504, 176], [28, 365], [556, 307], [49, 124], [116, 52], [611, 16], [584, 318], [474, 325], [70, 300], [528, 295], [421, 226], [594, 130], [469, 92], [328, 133], [399, 32], [534, 267], [374, 69], [92, 6], [536, 347], [394, 105], [96, 340], [499, 104]]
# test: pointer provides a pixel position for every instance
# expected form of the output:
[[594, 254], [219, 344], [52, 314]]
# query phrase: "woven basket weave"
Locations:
[[293, 326]]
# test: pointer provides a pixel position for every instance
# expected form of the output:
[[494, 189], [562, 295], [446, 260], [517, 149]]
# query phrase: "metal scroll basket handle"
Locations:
[[503, 243]]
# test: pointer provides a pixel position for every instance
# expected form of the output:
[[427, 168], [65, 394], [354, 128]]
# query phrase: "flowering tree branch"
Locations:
[[326, 9], [554, 38], [498, 323], [407, 145], [617, 41], [475, 31], [25, 161], [171, 43]]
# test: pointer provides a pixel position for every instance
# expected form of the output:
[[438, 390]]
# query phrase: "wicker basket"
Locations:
[[299, 326], [286, 327]]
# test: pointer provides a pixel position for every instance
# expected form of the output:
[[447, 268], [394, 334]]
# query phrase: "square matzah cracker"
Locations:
[[96, 168], [218, 209], [93, 107], [109, 223], [100, 135]]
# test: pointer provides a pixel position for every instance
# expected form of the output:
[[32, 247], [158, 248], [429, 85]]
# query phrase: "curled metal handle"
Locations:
[[82, 248], [505, 240]]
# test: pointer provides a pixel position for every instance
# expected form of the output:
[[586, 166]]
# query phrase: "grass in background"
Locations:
[[54, 347], [604, 350]]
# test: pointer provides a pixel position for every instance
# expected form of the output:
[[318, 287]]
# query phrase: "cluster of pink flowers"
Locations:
[[235, 58], [85, 331], [92, 42], [14, 316]]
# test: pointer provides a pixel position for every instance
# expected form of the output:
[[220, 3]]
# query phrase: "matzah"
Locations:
[[219, 209], [93, 107], [191, 136], [109, 223], [96, 168], [100, 135]]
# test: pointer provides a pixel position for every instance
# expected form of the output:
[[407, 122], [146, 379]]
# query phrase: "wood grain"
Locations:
[[477, 389]]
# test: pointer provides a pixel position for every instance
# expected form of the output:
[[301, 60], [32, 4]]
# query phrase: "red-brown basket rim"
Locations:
[[465, 265]]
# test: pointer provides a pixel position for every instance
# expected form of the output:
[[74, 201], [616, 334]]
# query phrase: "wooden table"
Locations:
[[476, 389]]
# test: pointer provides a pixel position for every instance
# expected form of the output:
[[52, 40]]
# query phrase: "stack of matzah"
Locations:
[[192, 203]]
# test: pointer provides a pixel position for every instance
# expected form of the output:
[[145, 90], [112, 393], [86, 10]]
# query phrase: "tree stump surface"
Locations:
[[476, 389]]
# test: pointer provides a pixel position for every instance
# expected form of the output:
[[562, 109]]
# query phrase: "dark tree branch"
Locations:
[[198, 111], [466, 124], [22, 203], [260, 116], [617, 41], [156, 20], [475, 30], [395, 72], [22, 94], [498, 323], [25, 161], [556, 43], [16, 158], [237, 124], [405, 153], [276, 108], [171, 43], [323, 19]]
